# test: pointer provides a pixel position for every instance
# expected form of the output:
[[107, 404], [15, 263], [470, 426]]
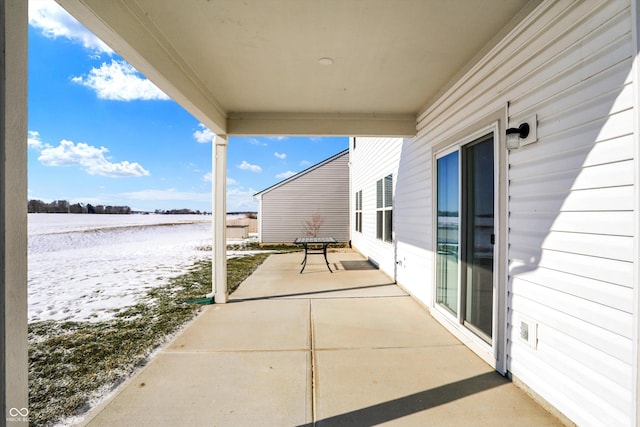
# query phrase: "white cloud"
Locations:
[[205, 135], [53, 21], [249, 167], [277, 138], [231, 181], [305, 163], [34, 141], [119, 81], [90, 158], [254, 141], [239, 199], [284, 175], [169, 194], [280, 155]]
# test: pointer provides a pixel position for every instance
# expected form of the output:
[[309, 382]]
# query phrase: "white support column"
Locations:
[[220, 219], [13, 213]]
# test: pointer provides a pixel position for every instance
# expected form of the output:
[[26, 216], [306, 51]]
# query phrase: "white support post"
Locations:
[[13, 213], [220, 219]]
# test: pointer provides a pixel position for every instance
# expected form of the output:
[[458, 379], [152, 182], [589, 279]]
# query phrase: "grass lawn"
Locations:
[[72, 363]]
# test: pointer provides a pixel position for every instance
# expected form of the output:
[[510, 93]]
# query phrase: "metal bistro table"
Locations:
[[311, 244]]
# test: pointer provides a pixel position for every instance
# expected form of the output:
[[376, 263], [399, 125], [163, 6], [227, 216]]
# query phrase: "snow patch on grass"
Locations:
[[105, 293]]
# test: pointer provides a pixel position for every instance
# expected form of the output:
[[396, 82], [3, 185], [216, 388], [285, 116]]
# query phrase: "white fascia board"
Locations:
[[251, 124]]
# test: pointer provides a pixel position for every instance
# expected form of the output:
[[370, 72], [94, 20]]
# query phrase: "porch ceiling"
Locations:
[[252, 66]]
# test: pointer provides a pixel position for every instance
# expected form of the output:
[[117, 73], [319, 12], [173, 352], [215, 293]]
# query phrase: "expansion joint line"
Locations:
[[313, 365]]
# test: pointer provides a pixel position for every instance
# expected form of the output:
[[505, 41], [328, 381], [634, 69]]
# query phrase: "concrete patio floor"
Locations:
[[349, 348]]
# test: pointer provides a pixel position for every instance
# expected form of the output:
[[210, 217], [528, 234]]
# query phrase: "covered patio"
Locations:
[[246, 68], [439, 76], [348, 348]]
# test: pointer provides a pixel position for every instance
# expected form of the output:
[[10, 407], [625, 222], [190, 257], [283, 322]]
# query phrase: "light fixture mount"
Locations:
[[526, 133]]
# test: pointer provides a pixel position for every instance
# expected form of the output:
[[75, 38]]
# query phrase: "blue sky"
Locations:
[[101, 133]]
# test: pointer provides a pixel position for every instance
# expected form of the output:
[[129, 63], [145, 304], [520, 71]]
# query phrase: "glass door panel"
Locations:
[[478, 235], [447, 237]]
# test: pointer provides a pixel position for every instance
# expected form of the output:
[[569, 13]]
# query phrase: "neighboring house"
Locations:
[[314, 200], [527, 255]]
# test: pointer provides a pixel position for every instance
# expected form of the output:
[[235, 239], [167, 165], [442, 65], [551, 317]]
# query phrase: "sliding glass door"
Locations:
[[478, 240], [448, 232], [465, 234]]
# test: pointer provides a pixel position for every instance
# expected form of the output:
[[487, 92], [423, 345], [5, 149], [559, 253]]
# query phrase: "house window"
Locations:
[[384, 209], [358, 211]]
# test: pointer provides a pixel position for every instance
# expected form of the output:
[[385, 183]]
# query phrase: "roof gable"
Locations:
[[304, 172]]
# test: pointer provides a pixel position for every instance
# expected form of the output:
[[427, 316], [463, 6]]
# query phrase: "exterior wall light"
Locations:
[[524, 134], [515, 134]]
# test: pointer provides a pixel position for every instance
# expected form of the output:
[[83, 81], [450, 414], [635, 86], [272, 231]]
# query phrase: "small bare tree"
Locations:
[[311, 227]]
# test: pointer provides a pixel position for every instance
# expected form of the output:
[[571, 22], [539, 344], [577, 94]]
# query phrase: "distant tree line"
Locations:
[[178, 212], [63, 206]]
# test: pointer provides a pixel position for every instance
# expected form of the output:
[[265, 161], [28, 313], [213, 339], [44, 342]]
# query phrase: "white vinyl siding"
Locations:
[[322, 189], [571, 275], [576, 278], [374, 159], [413, 220], [570, 200]]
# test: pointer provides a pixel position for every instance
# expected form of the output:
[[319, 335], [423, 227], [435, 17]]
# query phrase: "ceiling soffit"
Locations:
[[253, 66]]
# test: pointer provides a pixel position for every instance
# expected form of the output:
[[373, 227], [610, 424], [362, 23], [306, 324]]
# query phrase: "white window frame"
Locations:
[[384, 208], [358, 211]]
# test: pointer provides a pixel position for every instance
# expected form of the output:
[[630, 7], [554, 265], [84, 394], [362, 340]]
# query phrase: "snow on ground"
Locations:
[[57, 223], [85, 267]]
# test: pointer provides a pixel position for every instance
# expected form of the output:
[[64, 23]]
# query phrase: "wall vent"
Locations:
[[529, 332], [524, 331]]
